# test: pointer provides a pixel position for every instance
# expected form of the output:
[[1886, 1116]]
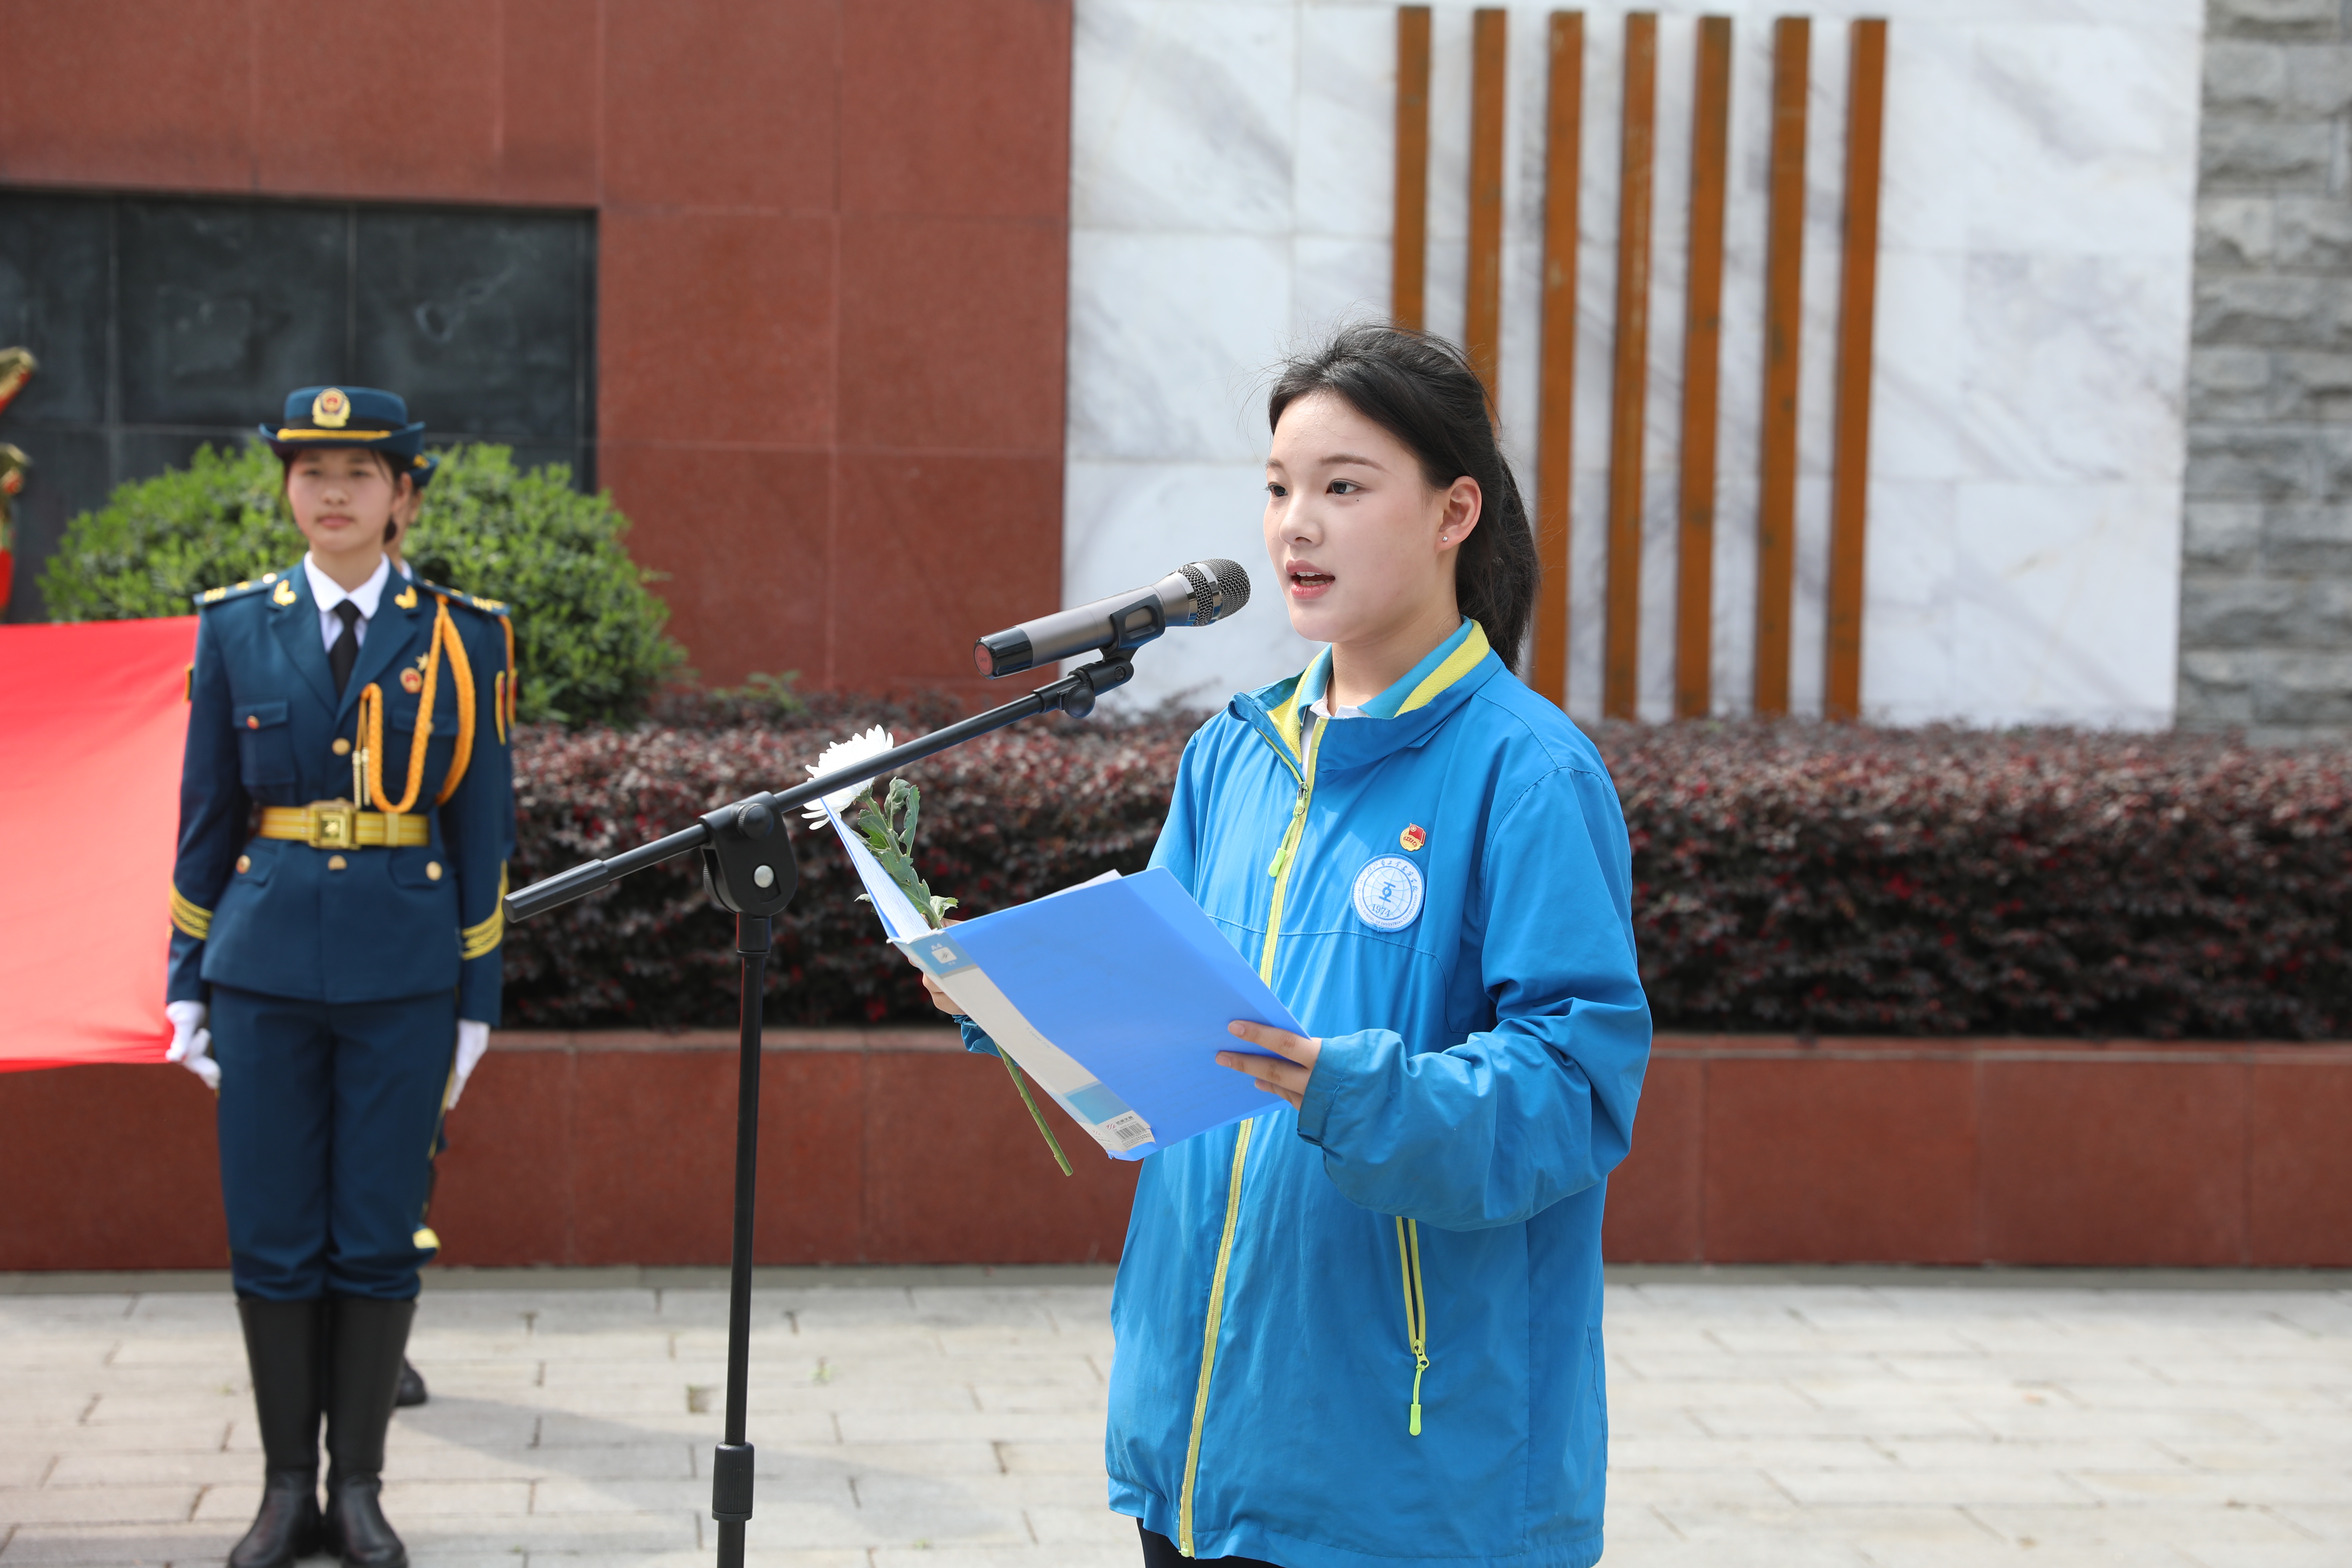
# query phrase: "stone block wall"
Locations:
[[2266, 581]]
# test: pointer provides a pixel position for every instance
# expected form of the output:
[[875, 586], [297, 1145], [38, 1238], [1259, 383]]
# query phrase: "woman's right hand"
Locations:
[[939, 998]]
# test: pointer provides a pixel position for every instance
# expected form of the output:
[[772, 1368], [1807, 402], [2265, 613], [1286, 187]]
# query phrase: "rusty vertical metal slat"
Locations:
[[1556, 369], [1409, 268], [1857, 309], [1621, 626], [1482, 326], [1702, 372], [1776, 509]]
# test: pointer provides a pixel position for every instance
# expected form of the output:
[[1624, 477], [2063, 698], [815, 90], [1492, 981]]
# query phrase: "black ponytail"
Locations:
[[1420, 390]]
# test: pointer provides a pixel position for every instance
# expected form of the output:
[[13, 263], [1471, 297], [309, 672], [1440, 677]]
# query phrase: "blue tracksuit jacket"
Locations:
[[1371, 1330]]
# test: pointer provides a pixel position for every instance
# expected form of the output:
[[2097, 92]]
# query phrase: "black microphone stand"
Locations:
[[749, 869]]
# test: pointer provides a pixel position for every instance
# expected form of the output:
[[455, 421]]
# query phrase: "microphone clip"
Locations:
[[1076, 692]]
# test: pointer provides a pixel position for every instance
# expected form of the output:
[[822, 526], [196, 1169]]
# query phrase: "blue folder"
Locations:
[[1114, 997]]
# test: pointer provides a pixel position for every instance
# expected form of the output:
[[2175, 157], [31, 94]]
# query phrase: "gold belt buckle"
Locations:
[[334, 825]]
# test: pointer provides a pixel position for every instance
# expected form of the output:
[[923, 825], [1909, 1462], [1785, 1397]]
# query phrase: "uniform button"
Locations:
[[342, 747], [245, 862], [433, 870], [251, 723], [335, 862]]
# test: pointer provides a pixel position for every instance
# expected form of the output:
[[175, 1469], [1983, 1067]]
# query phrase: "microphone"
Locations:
[[1194, 594]]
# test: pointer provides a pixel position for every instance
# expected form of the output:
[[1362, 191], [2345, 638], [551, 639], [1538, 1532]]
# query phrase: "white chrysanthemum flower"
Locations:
[[839, 755]]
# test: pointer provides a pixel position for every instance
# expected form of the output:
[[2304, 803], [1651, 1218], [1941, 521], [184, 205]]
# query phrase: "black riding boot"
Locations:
[[281, 1348], [412, 1385], [367, 1339]]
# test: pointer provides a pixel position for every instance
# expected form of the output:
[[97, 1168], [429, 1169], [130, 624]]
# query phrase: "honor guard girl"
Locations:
[[1364, 1327], [346, 809]]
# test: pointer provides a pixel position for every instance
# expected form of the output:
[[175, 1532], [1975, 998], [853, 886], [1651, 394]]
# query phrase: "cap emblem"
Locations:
[[330, 410], [1413, 837]]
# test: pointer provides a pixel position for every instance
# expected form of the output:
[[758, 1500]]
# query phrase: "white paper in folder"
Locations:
[[1113, 995]]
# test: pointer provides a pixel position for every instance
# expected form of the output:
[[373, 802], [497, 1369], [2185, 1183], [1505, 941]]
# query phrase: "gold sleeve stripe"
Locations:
[[482, 939], [189, 918]]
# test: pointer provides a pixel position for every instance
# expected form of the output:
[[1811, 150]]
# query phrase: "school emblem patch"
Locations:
[[330, 410], [1413, 837], [1389, 892]]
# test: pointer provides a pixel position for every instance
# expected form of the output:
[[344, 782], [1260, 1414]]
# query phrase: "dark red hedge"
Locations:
[[1787, 876]]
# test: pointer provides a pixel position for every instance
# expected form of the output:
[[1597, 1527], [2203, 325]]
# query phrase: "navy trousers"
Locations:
[[329, 1114]]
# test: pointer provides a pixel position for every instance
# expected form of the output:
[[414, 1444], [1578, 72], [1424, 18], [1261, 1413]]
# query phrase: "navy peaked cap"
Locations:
[[318, 416]]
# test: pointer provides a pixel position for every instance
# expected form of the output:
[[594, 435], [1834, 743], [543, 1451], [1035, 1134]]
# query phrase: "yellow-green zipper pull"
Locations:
[[1290, 836], [1416, 1311]]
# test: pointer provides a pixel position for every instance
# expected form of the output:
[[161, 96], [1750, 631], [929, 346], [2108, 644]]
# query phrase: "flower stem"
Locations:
[[1022, 1084]]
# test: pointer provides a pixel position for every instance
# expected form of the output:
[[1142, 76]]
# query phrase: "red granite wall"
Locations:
[[833, 259], [895, 1147], [1756, 1150]]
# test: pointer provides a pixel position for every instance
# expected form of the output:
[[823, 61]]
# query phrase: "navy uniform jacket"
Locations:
[[274, 915]]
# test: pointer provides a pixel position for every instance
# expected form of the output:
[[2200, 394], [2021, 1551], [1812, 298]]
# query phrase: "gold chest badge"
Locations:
[[412, 680], [1413, 837], [330, 410]]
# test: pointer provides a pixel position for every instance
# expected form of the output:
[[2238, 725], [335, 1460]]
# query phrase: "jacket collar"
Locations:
[[391, 634], [1403, 715]]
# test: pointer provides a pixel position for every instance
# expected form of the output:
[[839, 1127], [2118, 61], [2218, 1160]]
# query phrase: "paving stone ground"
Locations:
[[942, 1418]]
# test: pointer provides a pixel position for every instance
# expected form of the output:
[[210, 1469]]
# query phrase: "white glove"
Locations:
[[192, 1042], [473, 1039]]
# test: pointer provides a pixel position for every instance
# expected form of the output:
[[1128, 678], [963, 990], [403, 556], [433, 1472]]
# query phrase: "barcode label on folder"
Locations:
[[1130, 1128]]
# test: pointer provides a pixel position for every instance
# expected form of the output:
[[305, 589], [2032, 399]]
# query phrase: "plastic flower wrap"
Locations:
[[887, 831]]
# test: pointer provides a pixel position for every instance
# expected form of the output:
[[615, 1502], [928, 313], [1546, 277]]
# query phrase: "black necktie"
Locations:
[[345, 650]]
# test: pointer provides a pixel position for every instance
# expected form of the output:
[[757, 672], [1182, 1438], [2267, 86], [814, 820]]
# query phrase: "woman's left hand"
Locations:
[[1287, 1078]]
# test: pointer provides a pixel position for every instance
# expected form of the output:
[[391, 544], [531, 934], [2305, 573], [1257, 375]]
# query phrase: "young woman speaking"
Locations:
[[1364, 1327]]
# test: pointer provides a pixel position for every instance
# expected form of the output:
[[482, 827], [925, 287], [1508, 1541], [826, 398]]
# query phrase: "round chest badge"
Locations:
[[1387, 893]]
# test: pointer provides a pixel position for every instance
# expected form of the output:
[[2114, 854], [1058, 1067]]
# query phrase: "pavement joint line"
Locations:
[[911, 1278]]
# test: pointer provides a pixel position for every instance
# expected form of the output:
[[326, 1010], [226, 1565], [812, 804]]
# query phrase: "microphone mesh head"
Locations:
[[1219, 588]]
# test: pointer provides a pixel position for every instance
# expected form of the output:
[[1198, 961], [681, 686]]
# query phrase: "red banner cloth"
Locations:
[[92, 719]]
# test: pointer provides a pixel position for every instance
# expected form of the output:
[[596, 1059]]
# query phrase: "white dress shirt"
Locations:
[[329, 594]]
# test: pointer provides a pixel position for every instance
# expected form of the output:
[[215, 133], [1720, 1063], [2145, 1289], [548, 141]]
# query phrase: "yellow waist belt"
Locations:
[[338, 825]]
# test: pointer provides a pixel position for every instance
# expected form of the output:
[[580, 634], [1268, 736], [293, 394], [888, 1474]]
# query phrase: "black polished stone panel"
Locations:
[[481, 327], [165, 323], [141, 454], [227, 307], [55, 300], [67, 466]]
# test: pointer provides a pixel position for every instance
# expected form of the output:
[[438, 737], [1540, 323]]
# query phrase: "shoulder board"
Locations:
[[459, 596], [262, 584]]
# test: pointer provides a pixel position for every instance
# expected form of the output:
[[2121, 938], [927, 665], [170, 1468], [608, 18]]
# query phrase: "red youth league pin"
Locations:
[[1413, 837]]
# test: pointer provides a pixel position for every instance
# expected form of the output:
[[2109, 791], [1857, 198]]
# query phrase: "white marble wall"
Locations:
[[1230, 196]]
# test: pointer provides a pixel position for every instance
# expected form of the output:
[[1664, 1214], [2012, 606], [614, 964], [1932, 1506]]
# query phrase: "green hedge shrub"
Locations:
[[589, 633]]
